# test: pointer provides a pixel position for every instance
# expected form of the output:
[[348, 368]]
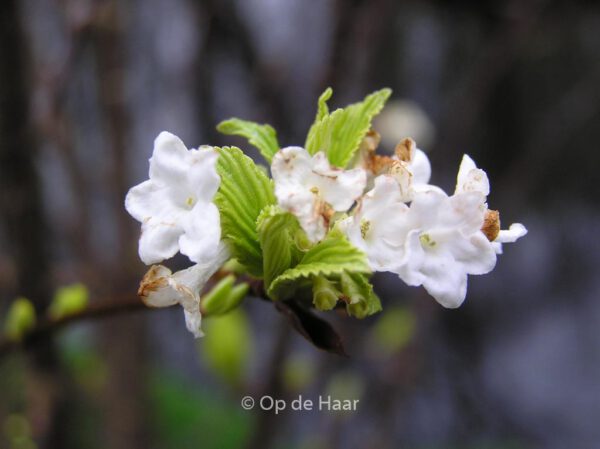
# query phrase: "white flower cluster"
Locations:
[[404, 224], [385, 206], [177, 214]]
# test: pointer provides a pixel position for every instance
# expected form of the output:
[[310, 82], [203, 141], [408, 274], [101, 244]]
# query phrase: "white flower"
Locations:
[[416, 162], [161, 288], [437, 241], [175, 205], [473, 179], [312, 190], [376, 224], [409, 166], [514, 232], [444, 245]]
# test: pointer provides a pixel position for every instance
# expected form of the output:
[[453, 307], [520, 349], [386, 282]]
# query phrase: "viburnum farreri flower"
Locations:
[[162, 288], [311, 189], [333, 213], [175, 205], [437, 241]]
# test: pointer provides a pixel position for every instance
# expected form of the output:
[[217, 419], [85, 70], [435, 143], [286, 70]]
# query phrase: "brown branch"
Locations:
[[48, 326]]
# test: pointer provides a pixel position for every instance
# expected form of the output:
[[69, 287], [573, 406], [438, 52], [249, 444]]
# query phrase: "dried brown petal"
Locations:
[[155, 279], [491, 224], [405, 150]]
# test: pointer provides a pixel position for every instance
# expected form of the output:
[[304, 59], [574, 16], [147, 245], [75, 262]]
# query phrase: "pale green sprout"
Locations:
[[20, 319]]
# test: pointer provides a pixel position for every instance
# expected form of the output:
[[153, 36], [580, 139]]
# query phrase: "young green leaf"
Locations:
[[244, 192], [69, 300], [20, 318], [276, 231], [330, 257], [325, 293], [362, 300], [223, 297], [263, 137], [340, 133], [228, 345]]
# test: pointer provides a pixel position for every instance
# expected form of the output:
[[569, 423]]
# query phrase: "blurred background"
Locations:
[[85, 86]]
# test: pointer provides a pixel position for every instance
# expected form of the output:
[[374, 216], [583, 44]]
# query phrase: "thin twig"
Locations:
[[49, 326]]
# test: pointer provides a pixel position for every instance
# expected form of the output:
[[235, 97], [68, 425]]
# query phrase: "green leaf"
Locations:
[[358, 291], [322, 108], [263, 137], [69, 300], [331, 257], [277, 230], [227, 345], [340, 133], [325, 293], [394, 330], [20, 318], [244, 192], [224, 297]]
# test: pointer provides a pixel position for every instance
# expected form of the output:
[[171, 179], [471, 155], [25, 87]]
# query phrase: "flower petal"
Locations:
[[202, 173], [475, 254], [159, 240], [155, 290], [444, 280], [514, 232], [420, 168], [340, 188], [146, 200], [471, 179], [168, 161], [201, 232]]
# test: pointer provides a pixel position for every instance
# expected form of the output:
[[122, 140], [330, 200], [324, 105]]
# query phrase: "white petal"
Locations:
[[155, 290], [471, 179], [408, 266], [202, 232], [160, 288], [202, 173], [475, 253], [515, 232], [307, 208], [159, 241], [445, 280], [426, 208], [291, 167], [420, 168], [146, 200], [305, 186], [403, 176], [464, 212], [168, 162], [497, 247], [340, 188], [193, 320]]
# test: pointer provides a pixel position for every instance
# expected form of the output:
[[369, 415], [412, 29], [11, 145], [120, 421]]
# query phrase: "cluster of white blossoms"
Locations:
[[177, 214], [404, 224], [384, 205]]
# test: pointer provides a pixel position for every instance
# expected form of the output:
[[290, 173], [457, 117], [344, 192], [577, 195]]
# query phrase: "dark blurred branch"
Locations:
[[473, 90], [264, 430], [572, 110], [21, 212], [47, 327], [229, 34], [55, 125]]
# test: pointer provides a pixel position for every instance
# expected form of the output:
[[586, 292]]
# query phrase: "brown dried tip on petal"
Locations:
[[370, 141], [491, 224], [155, 279], [379, 164], [326, 211], [406, 149]]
